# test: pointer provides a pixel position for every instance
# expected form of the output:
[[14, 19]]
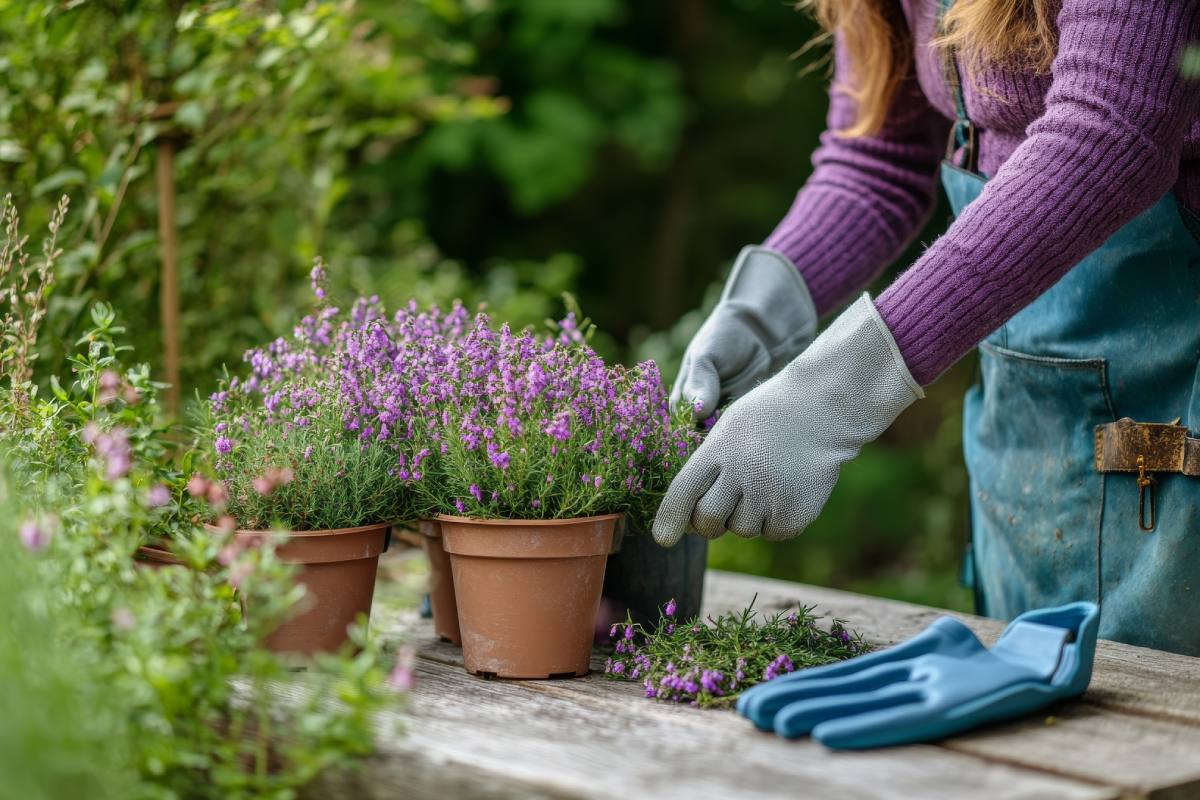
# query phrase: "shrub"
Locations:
[[190, 702]]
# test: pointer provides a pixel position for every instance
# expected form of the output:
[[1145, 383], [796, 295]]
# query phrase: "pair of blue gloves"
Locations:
[[941, 682]]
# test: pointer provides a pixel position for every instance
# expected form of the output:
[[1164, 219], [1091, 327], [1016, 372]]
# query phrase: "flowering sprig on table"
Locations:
[[709, 663]]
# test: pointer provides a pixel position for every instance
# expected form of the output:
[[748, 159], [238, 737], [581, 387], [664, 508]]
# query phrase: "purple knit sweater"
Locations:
[[1072, 157]]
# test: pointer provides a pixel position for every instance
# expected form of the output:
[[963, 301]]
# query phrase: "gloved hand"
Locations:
[[768, 465], [941, 682], [764, 319]]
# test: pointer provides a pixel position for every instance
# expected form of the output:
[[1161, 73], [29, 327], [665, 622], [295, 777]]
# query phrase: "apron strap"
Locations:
[[963, 134]]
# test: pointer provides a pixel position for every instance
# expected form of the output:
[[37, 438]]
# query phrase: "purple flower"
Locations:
[[476, 492], [158, 496], [34, 535], [113, 449], [671, 608], [123, 619], [224, 445], [781, 664], [710, 680], [403, 675], [317, 278]]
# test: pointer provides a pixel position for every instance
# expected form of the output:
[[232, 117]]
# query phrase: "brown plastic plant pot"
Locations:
[[441, 583], [528, 592], [151, 557], [337, 570]]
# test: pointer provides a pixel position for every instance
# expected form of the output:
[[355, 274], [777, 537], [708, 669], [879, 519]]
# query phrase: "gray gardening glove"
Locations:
[[765, 318], [771, 461]]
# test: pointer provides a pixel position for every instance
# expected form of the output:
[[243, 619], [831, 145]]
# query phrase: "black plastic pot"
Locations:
[[643, 577]]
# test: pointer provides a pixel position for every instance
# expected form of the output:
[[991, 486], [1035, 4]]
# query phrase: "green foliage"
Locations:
[[194, 709], [267, 106], [578, 91], [64, 734], [184, 702], [709, 663], [1189, 65]]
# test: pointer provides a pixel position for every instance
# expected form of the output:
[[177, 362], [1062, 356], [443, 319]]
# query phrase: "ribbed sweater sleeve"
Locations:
[[867, 196], [1106, 148]]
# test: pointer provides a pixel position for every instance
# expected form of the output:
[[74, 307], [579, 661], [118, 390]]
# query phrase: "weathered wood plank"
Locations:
[[1145, 757], [1134, 680], [591, 738]]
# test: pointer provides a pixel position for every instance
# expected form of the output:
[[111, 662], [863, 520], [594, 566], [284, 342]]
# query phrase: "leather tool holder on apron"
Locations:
[[1146, 449]]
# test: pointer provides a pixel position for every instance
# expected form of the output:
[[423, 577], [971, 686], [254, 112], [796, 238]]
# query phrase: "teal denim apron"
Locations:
[[1117, 336]]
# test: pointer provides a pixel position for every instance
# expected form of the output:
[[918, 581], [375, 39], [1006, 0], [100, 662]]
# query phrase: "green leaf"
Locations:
[[56, 181], [58, 390], [11, 151], [191, 115], [1189, 65]]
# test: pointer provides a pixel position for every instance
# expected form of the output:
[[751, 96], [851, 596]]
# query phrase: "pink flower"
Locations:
[[35, 536], [123, 619], [108, 386], [217, 494], [263, 486], [239, 572], [197, 486], [158, 496], [402, 676], [91, 431]]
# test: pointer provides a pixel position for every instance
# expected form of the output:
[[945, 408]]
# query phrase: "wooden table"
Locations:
[[1136, 733]]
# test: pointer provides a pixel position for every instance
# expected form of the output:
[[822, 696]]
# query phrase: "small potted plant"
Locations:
[[294, 454], [541, 447]]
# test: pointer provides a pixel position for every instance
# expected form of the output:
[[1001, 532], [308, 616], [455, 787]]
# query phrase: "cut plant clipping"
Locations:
[[709, 662]]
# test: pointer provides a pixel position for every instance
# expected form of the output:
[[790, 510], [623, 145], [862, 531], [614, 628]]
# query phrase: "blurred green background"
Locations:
[[501, 151]]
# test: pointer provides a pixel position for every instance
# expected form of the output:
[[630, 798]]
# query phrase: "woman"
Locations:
[[1074, 265]]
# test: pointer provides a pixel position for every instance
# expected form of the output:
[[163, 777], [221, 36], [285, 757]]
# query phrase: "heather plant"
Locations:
[[709, 663], [290, 442], [514, 425]]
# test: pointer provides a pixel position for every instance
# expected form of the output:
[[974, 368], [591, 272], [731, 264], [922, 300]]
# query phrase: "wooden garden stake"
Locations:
[[169, 284]]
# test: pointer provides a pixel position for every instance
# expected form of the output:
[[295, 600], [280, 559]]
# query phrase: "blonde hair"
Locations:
[[1017, 33]]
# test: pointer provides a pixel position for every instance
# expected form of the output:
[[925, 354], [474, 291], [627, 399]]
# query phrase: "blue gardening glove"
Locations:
[[764, 319], [941, 682], [769, 464]]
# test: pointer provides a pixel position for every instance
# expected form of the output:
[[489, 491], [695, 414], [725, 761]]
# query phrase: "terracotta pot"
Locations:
[[441, 583], [527, 592], [337, 568]]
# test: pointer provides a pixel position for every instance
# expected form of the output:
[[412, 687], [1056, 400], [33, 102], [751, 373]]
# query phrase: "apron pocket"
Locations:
[[1036, 499]]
